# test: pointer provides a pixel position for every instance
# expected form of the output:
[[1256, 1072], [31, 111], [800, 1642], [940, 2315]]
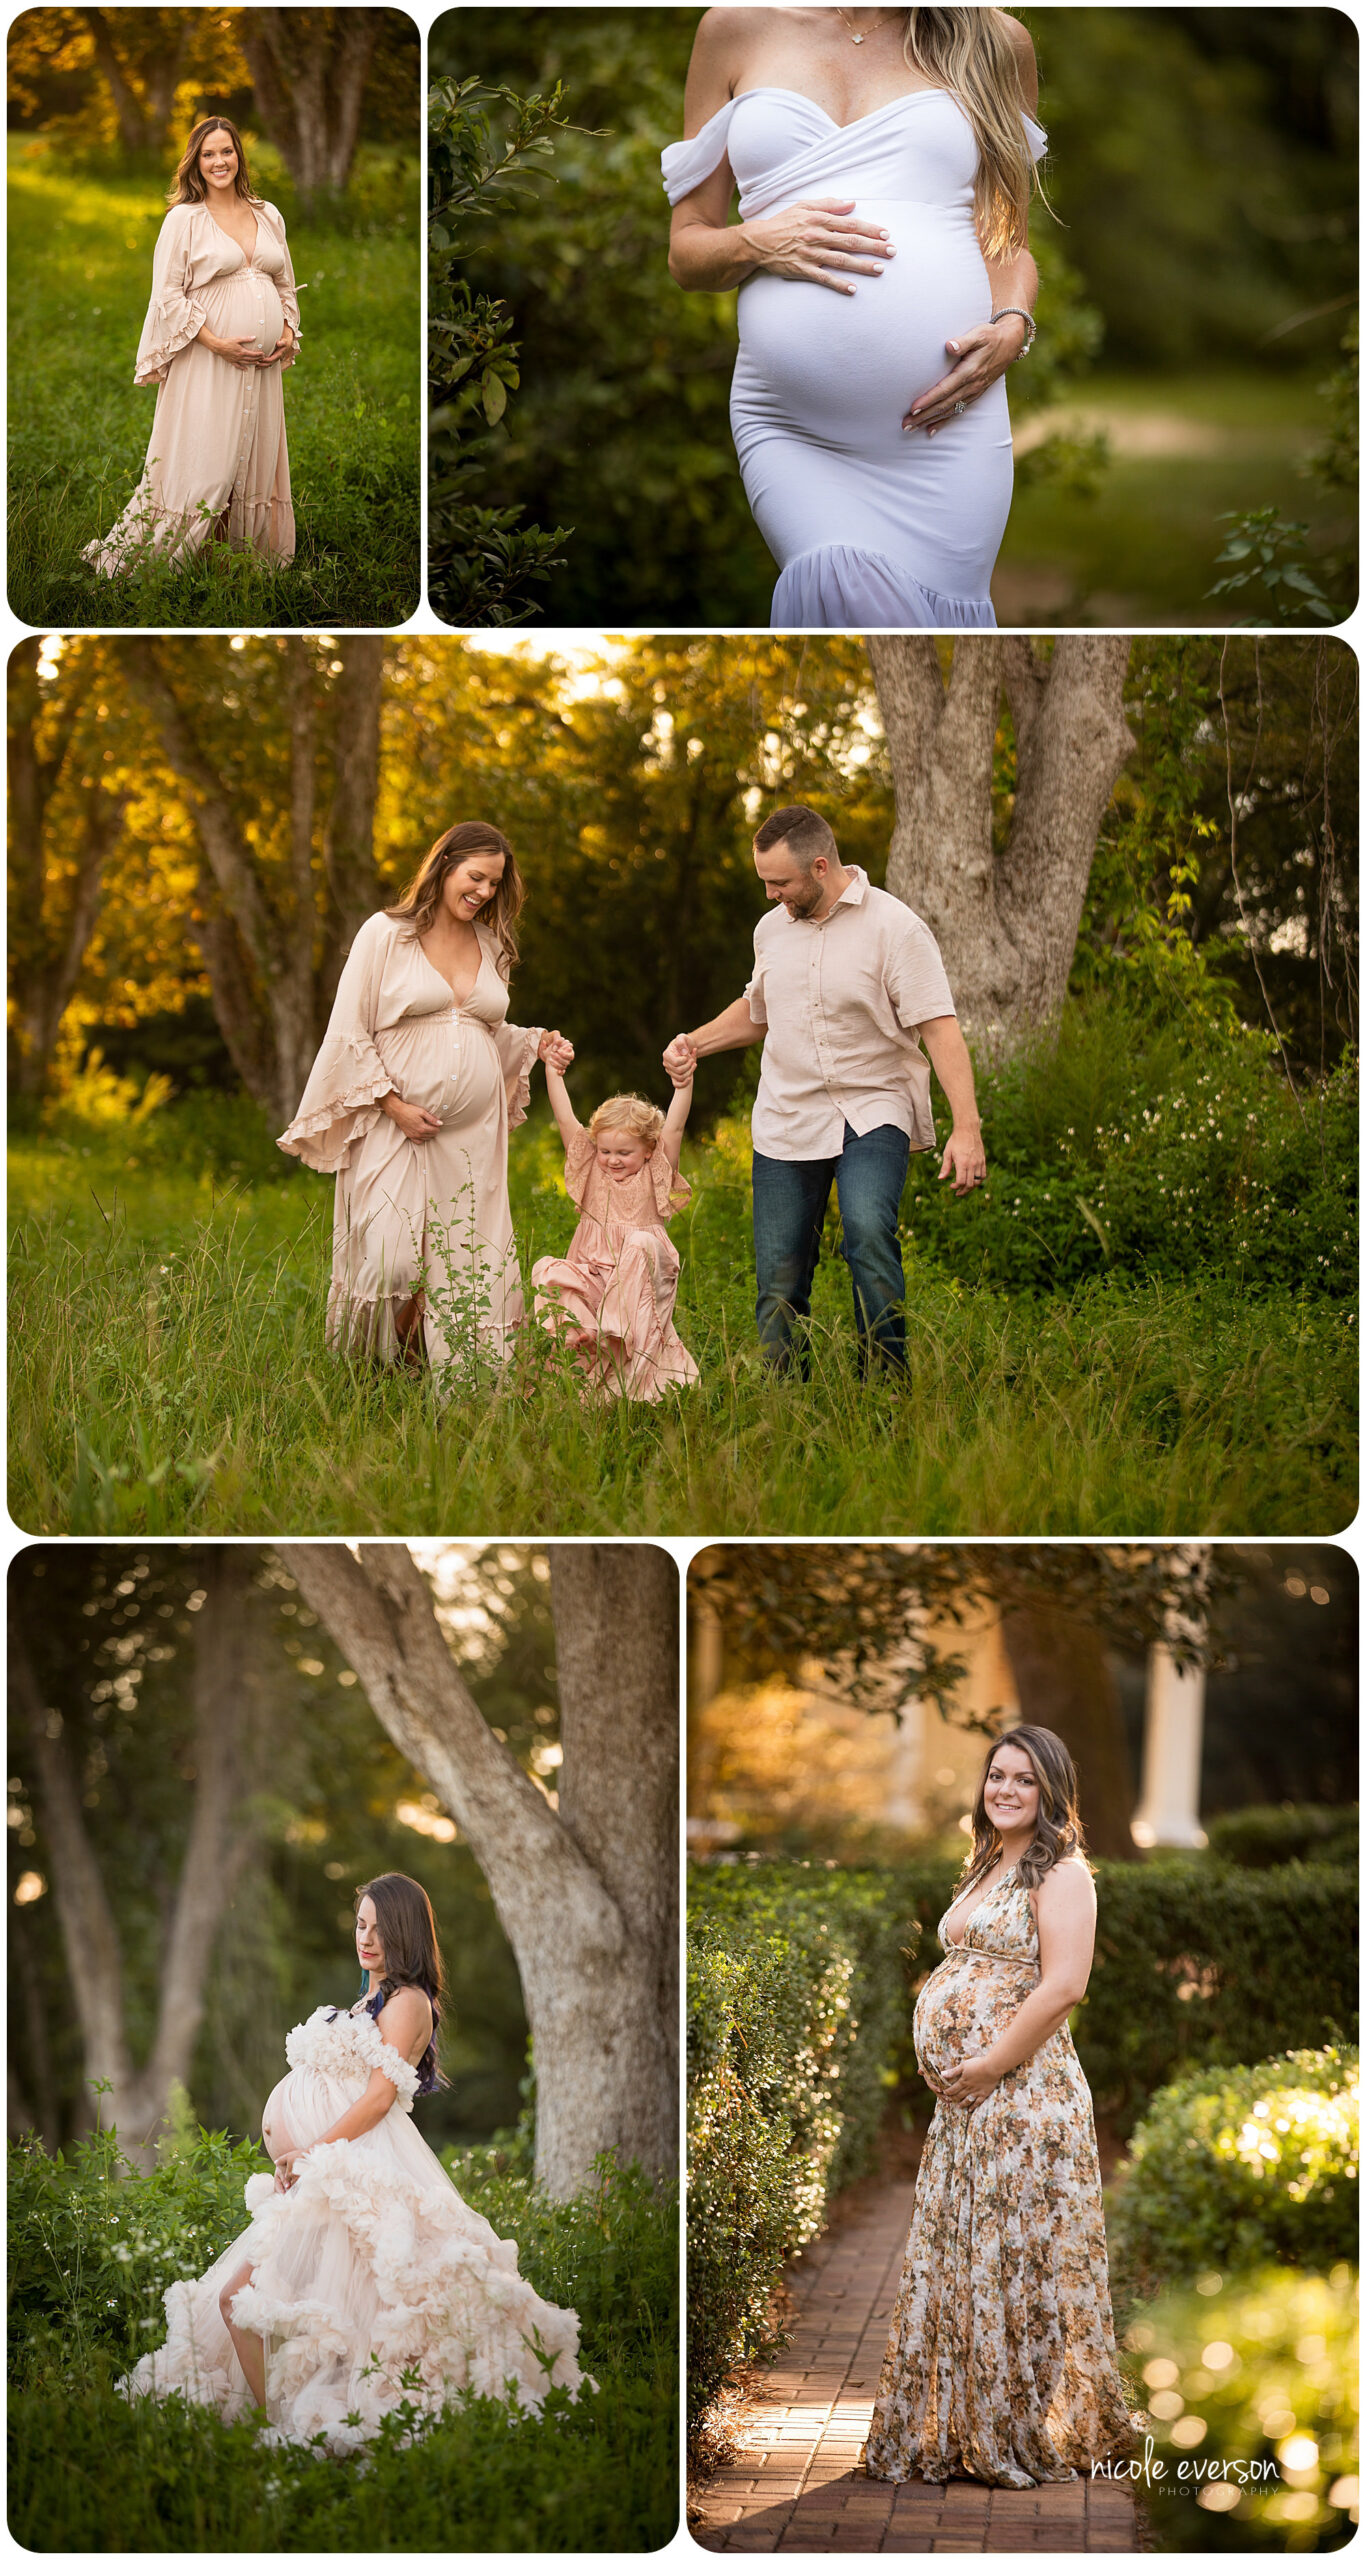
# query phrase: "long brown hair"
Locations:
[[412, 1957], [970, 53], [190, 186], [421, 899], [1058, 1831]]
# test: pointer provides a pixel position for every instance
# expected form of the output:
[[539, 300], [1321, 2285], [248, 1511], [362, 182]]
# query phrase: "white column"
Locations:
[[1168, 1816]]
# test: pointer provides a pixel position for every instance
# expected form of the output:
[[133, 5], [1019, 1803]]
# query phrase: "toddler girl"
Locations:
[[612, 1296]]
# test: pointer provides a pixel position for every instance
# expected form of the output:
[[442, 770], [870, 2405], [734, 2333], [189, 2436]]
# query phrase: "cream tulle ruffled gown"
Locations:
[[370, 2269]]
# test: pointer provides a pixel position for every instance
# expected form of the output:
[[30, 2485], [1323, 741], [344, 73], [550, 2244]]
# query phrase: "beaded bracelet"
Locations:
[[1012, 311]]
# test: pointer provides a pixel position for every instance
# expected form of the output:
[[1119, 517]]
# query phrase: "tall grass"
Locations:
[[80, 264], [88, 2256], [168, 1374]]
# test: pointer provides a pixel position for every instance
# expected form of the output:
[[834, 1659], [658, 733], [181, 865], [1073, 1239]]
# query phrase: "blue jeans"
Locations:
[[789, 1212]]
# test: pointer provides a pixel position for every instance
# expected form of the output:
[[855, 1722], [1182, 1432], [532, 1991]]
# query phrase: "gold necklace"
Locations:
[[853, 37]]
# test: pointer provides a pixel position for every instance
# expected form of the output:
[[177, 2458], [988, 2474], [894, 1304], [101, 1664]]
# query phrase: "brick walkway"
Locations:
[[799, 2484]]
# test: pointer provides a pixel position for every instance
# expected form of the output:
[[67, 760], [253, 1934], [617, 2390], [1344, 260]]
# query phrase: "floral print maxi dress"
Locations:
[[1001, 2359]]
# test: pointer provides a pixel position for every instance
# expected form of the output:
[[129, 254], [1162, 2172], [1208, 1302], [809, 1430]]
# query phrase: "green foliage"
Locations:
[[1230, 2168], [482, 562], [89, 2256], [1201, 1965], [1258, 2371], [1265, 555], [81, 255], [1122, 1144], [794, 2010], [1269, 1835], [168, 1373]]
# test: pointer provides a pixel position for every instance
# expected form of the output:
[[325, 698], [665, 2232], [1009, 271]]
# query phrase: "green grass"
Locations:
[[1143, 550], [80, 262], [168, 1375], [89, 2471]]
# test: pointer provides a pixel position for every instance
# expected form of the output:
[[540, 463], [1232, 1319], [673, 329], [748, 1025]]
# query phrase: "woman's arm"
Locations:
[[676, 1120], [563, 1109], [983, 354], [1067, 1937], [816, 243]]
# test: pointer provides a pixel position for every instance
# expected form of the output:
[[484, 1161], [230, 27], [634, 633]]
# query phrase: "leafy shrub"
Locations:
[[90, 2253], [795, 2009], [1269, 1835], [1259, 2372], [1230, 2168], [1119, 1145], [1207, 1965]]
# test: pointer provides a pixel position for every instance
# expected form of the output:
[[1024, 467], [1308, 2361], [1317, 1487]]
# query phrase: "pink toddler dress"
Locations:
[[619, 1279]]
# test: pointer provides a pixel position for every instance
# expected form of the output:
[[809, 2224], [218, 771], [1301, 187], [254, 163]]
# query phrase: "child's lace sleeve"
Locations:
[[671, 1190], [580, 1165]]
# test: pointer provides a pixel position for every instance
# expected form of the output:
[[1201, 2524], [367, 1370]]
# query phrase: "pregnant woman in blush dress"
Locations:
[[222, 325], [418, 1080], [363, 2279], [884, 159], [1001, 2360]]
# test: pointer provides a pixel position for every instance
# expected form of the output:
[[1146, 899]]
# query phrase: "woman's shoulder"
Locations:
[[1070, 1879], [377, 929], [177, 215], [262, 204]]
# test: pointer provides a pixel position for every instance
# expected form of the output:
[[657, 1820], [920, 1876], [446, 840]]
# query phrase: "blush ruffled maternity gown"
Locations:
[[1001, 2359], [373, 2281], [218, 456], [872, 529], [433, 1216]]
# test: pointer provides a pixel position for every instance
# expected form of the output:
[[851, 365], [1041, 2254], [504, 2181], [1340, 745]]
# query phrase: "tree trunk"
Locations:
[[134, 132], [589, 1924], [215, 1851], [51, 922], [308, 69], [349, 836], [1006, 920], [1063, 1679]]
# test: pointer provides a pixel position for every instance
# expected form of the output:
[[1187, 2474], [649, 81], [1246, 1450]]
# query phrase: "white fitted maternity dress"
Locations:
[[372, 2280], [218, 456], [432, 1216], [872, 528]]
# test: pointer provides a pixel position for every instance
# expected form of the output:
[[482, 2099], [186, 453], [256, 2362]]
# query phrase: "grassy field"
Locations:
[[1184, 449], [89, 2255], [168, 1375], [80, 262]]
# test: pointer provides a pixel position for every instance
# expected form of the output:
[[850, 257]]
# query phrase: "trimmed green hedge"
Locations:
[[1251, 2386], [796, 2008], [1267, 1835], [1233, 2167]]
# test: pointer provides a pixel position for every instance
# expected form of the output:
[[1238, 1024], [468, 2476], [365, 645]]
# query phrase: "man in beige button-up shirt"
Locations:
[[847, 983]]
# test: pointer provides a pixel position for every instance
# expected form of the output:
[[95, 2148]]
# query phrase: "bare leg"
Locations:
[[248, 2349]]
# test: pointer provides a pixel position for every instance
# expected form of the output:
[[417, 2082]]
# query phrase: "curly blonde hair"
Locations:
[[627, 1111]]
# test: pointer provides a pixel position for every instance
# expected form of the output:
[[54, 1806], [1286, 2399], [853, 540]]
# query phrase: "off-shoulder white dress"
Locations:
[[218, 456], [372, 2281], [433, 1217], [872, 528]]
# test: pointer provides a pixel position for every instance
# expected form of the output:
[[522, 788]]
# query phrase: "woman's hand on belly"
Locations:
[[239, 351], [822, 242], [966, 2084], [282, 350], [980, 358], [410, 1118]]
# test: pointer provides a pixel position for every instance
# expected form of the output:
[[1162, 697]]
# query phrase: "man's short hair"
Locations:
[[803, 831]]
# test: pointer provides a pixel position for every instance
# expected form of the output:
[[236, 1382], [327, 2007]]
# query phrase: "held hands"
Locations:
[[965, 1158], [821, 242], [555, 1052], [980, 357], [680, 1059]]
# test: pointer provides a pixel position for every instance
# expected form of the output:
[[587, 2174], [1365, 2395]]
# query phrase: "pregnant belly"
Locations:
[[452, 1072], [299, 2108], [962, 2010], [251, 308], [846, 367]]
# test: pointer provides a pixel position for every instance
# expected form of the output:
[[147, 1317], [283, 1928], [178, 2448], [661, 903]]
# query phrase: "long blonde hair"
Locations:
[[420, 900], [969, 53], [1057, 1832]]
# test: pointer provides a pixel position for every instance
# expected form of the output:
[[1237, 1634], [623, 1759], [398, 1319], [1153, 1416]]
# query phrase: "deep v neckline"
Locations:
[[247, 256], [459, 1002], [973, 1908]]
